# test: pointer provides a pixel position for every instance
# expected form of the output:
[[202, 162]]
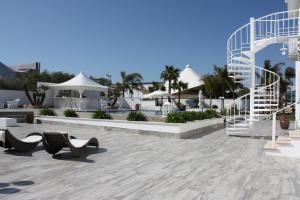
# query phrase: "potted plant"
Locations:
[[284, 121]]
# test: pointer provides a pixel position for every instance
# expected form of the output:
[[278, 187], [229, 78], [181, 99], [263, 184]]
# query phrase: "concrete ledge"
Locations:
[[169, 130], [22, 116]]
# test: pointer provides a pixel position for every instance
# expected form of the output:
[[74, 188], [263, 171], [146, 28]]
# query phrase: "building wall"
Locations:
[[6, 95]]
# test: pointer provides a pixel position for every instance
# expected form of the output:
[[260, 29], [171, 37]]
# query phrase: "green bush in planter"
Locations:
[[70, 113], [136, 116], [211, 114], [47, 112], [99, 114], [175, 117]]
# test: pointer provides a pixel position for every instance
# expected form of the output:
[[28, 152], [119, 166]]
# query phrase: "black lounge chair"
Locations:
[[56, 141], [20, 145]]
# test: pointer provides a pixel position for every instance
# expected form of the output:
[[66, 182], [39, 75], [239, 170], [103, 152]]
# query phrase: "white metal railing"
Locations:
[[267, 87], [241, 46], [280, 24]]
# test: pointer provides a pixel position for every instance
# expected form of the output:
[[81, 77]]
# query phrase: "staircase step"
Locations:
[[240, 65], [242, 59], [270, 146], [265, 105], [237, 133], [247, 71], [264, 110], [237, 129], [263, 100], [246, 53]]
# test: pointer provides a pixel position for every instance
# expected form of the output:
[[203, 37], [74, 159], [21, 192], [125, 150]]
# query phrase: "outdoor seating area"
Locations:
[[139, 167], [144, 100]]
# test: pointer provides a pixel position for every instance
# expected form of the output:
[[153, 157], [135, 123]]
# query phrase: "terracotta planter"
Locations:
[[284, 121]]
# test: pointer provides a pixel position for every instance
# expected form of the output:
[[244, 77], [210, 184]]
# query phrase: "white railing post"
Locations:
[[273, 130], [252, 59]]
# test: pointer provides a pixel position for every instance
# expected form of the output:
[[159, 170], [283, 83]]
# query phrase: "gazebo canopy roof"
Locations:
[[156, 94], [81, 83]]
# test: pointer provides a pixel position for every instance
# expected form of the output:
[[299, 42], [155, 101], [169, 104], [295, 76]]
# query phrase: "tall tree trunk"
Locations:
[[28, 95], [114, 102], [210, 103], [169, 98], [179, 96]]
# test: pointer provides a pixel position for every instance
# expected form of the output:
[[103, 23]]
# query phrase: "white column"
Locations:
[[297, 90], [252, 86]]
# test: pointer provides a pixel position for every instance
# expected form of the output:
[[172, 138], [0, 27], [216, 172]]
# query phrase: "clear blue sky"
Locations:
[[107, 36]]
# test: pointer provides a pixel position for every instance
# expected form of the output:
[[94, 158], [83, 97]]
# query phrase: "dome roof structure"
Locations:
[[190, 76]]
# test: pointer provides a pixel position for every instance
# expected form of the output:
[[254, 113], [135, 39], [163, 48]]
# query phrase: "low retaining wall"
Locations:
[[21, 116], [180, 131]]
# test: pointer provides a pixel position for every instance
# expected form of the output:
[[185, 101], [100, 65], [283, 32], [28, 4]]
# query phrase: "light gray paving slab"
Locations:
[[131, 166]]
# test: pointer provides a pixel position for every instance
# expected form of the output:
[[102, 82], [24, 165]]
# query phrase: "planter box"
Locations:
[[169, 130], [7, 122]]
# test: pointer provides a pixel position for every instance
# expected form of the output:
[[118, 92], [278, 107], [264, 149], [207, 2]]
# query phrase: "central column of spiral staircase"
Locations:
[[262, 98]]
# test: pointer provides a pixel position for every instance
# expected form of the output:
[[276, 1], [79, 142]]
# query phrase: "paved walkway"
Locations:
[[130, 166]]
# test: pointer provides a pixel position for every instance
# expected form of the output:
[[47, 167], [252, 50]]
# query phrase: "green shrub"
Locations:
[[70, 113], [99, 114], [211, 114], [47, 112], [175, 117], [136, 116], [183, 117]]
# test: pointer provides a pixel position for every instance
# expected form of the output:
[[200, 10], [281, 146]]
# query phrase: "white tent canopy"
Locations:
[[81, 83], [156, 94], [189, 76]]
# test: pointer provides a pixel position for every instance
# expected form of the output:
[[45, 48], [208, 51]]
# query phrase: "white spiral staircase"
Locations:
[[263, 97]]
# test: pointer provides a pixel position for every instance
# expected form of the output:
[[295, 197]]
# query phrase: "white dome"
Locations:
[[190, 76]]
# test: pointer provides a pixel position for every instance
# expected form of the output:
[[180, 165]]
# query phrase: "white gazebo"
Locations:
[[80, 93]]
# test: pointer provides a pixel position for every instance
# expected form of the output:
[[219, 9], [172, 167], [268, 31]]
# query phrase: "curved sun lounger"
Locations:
[[56, 141], [20, 145]]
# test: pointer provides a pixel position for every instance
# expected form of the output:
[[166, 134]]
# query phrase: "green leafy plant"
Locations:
[[182, 117], [175, 117], [47, 112], [211, 114], [136, 116], [99, 114], [215, 107], [70, 113]]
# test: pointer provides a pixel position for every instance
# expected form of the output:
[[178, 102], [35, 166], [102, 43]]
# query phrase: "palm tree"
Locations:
[[130, 82], [135, 82], [209, 87], [225, 82], [115, 92], [179, 86], [170, 74], [275, 68], [156, 86]]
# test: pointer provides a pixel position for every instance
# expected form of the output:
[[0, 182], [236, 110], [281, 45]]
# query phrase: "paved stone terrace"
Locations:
[[129, 166]]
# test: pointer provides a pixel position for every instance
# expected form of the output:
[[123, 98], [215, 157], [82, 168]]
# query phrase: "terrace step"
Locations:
[[294, 134], [283, 140], [269, 146]]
